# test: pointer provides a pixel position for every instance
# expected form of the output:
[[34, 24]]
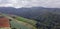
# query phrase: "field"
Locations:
[[32, 22], [17, 25], [4, 22]]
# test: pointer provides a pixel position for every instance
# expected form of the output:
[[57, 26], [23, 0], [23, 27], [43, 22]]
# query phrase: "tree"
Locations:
[[38, 25]]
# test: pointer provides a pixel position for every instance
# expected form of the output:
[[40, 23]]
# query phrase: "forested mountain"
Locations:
[[31, 13]]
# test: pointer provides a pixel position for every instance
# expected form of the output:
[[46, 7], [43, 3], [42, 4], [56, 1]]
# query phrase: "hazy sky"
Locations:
[[30, 3]]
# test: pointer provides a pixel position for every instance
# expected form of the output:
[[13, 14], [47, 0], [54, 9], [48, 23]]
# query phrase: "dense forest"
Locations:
[[49, 21]]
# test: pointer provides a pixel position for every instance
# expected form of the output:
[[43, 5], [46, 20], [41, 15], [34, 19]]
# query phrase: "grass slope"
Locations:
[[32, 22], [17, 25], [21, 25]]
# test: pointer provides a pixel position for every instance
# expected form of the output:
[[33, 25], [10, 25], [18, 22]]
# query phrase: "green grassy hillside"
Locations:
[[20, 22], [32, 22]]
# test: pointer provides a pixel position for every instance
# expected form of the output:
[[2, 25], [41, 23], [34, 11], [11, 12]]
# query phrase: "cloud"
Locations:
[[30, 3]]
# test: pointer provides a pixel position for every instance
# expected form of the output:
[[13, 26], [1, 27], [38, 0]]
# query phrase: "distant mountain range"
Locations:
[[29, 12]]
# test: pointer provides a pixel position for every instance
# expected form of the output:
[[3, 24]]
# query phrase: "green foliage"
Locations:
[[49, 18]]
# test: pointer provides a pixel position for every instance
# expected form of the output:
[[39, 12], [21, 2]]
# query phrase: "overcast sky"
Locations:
[[30, 3]]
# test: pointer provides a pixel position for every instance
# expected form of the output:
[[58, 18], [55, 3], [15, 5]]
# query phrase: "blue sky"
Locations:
[[30, 3]]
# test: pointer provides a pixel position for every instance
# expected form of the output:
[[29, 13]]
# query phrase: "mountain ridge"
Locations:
[[29, 12]]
